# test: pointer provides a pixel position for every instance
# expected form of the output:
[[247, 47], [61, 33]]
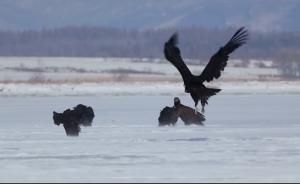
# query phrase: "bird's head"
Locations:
[[57, 118], [176, 101]]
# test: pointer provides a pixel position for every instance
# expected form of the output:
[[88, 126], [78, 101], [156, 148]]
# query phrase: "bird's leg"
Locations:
[[203, 102], [196, 106], [196, 109]]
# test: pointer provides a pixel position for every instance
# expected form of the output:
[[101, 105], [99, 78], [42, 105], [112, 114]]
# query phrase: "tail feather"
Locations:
[[211, 91], [208, 92]]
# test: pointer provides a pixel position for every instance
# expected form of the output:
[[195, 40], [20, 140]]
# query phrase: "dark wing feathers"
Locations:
[[219, 60], [188, 116], [238, 39], [172, 54], [168, 116]]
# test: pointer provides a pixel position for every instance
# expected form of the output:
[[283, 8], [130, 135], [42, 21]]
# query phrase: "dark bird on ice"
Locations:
[[194, 83], [72, 119], [170, 115]]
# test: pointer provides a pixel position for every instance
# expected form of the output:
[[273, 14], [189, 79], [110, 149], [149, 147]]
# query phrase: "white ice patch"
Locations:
[[246, 138], [96, 89]]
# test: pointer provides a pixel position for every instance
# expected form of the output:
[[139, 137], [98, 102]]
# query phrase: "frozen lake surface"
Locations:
[[247, 138]]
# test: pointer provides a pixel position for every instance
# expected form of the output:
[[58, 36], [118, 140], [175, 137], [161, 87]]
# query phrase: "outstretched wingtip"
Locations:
[[242, 28], [171, 46], [241, 35], [174, 39]]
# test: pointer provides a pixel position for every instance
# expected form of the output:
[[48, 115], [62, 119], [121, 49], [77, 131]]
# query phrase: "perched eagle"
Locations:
[[170, 115], [193, 83]]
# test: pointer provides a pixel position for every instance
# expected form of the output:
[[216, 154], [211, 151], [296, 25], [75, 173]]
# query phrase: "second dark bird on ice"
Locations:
[[170, 115]]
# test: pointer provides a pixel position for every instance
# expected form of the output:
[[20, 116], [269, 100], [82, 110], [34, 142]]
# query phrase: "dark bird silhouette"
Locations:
[[69, 121], [187, 114], [194, 84], [85, 115], [72, 119], [170, 115]]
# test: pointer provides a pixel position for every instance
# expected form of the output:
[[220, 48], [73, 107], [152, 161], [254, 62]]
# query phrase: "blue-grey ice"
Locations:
[[246, 138]]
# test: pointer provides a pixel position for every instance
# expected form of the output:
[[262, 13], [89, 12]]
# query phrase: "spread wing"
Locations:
[[188, 116], [219, 60], [168, 115], [172, 54]]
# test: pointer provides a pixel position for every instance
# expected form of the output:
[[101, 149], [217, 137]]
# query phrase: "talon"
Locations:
[[196, 109]]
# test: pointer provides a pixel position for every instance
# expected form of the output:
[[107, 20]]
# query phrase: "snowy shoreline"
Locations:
[[46, 76], [142, 88]]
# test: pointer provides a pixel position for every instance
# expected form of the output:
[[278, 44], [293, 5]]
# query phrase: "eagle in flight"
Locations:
[[194, 83]]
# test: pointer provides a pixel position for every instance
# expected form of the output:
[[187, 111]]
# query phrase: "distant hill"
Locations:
[[261, 15]]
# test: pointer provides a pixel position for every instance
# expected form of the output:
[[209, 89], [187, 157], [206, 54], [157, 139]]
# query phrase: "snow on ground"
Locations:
[[38, 76], [98, 89], [246, 138], [25, 68], [251, 133]]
